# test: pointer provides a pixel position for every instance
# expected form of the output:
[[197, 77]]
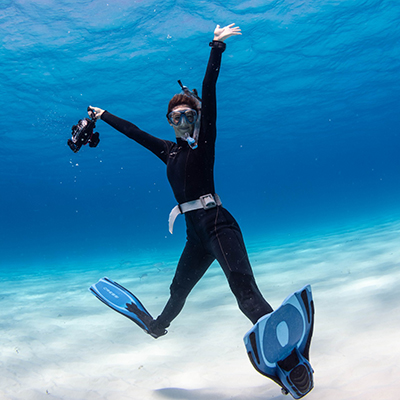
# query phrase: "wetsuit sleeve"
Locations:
[[209, 101], [157, 146]]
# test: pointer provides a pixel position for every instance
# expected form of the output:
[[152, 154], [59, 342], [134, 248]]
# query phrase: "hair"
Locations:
[[182, 99]]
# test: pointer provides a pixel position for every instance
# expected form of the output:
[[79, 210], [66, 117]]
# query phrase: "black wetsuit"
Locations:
[[213, 233]]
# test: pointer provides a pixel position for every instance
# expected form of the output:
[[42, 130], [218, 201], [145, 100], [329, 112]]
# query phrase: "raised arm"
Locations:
[[209, 103]]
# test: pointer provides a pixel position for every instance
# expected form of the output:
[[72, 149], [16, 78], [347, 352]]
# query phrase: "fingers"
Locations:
[[91, 112], [235, 30], [231, 29], [230, 26], [221, 34], [94, 112]]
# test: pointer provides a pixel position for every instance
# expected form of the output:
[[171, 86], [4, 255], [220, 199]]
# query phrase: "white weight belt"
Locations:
[[206, 202]]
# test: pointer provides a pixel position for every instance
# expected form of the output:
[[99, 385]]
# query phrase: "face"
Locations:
[[183, 123]]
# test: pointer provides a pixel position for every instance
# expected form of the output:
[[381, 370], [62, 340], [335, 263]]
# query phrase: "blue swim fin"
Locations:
[[278, 345], [123, 301]]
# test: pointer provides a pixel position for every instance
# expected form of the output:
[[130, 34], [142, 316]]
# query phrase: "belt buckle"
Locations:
[[208, 201]]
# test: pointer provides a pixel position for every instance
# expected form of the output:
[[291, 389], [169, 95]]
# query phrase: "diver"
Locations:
[[212, 232]]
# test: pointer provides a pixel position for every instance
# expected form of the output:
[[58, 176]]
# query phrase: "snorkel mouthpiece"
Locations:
[[191, 142]]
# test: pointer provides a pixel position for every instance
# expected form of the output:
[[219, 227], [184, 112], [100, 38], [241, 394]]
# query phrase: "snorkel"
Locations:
[[193, 139]]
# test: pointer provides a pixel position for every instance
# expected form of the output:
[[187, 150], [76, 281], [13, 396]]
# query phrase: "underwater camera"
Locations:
[[82, 134]]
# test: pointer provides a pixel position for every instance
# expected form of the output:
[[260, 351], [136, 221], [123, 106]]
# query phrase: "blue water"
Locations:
[[308, 121]]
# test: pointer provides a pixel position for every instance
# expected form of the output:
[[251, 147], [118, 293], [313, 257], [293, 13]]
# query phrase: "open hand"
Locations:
[[221, 34]]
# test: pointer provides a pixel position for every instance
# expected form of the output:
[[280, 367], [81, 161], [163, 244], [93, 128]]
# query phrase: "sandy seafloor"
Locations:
[[59, 342]]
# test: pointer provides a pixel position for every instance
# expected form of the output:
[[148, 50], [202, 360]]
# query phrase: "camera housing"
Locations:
[[82, 134]]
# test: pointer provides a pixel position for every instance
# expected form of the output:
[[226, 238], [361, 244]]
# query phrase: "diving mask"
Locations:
[[176, 117]]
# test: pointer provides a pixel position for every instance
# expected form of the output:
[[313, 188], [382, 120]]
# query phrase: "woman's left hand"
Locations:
[[221, 34]]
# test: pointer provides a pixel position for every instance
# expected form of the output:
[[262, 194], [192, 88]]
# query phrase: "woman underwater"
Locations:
[[212, 232], [278, 344]]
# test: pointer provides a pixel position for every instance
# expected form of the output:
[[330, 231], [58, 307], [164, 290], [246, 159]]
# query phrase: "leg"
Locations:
[[230, 251], [192, 265], [249, 298]]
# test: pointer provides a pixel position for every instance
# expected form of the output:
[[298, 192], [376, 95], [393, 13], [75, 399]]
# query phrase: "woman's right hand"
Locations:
[[95, 112]]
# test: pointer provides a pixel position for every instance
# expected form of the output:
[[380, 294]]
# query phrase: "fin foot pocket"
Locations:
[[155, 330], [126, 303], [142, 318], [296, 374]]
